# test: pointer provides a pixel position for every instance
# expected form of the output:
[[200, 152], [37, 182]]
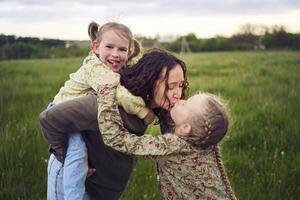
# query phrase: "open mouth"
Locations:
[[114, 63]]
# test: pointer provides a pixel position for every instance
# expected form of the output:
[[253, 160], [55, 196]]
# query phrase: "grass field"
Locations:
[[261, 152]]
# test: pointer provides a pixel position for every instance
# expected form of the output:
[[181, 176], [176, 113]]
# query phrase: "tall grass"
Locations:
[[261, 152]]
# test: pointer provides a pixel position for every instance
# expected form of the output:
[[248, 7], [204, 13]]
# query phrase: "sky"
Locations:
[[69, 19]]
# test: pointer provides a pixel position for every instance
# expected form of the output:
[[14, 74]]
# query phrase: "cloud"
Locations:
[[159, 7], [52, 17], [25, 10]]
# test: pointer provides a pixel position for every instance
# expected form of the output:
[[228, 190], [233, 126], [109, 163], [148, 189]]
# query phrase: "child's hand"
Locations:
[[110, 78], [91, 171], [149, 117]]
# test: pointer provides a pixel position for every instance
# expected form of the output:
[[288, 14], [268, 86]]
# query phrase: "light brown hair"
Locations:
[[95, 33], [209, 125]]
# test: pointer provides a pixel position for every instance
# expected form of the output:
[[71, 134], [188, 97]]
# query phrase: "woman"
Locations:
[[160, 79]]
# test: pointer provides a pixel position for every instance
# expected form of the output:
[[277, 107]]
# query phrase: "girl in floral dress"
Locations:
[[189, 164]]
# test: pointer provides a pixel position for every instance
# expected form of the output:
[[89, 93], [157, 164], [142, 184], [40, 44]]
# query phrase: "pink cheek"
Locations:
[[176, 100]]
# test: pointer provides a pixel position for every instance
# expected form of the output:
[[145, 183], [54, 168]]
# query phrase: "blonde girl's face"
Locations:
[[183, 108], [113, 50]]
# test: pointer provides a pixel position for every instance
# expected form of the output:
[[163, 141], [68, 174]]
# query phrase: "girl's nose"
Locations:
[[115, 53]]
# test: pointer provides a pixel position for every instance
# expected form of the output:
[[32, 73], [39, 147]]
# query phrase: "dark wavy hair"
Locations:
[[141, 77]]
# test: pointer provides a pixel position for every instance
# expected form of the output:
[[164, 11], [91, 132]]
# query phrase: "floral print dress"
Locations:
[[185, 172]]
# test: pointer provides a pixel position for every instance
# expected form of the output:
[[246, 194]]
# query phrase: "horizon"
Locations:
[[166, 37], [68, 20]]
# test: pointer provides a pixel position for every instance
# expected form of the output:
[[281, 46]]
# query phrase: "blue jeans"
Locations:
[[68, 182]]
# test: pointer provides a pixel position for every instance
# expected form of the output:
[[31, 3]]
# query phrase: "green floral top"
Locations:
[[185, 172], [86, 79]]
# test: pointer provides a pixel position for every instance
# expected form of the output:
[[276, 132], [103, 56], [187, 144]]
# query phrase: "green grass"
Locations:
[[261, 151]]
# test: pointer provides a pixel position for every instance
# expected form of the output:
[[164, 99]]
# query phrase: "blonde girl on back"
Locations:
[[113, 48]]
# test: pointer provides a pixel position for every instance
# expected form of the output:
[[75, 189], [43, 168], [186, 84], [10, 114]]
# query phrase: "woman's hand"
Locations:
[[110, 78]]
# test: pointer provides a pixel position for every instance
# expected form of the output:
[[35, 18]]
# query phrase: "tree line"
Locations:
[[250, 37], [13, 47]]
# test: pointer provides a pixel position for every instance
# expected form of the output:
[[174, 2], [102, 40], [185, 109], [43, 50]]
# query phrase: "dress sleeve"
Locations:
[[131, 104], [94, 70], [117, 137]]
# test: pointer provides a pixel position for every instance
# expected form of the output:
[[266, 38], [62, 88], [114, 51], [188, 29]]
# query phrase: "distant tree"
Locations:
[[16, 51], [148, 42], [3, 40], [7, 39], [191, 41], [247, 29], [277, 38]]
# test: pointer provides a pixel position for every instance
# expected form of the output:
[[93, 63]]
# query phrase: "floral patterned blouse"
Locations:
[[185, 172], [86, 79]]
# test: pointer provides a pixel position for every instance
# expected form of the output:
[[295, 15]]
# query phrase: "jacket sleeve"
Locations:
[[78, 115], [69, 117]]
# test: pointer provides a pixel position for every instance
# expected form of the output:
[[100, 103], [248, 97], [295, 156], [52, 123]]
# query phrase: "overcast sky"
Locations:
[[64, 19]]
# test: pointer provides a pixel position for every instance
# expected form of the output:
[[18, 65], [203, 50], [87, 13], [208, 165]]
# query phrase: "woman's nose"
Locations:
[[177, 93]]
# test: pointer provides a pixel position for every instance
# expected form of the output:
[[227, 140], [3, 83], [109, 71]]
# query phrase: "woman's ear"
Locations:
[[185, 129]]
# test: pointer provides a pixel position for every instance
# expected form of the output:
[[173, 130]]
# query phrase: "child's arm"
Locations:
[[117, 137], [149, 117], [131, 104]]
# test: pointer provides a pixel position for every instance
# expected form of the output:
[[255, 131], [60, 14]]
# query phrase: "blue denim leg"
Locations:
[[55, 179], [75, 168]]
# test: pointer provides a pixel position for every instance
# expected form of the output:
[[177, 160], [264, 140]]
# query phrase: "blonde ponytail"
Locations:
[[93, 30], [223, 173], [137, 49]]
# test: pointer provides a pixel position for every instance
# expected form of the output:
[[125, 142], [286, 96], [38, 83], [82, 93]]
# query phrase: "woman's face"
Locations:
[[173, 93]]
